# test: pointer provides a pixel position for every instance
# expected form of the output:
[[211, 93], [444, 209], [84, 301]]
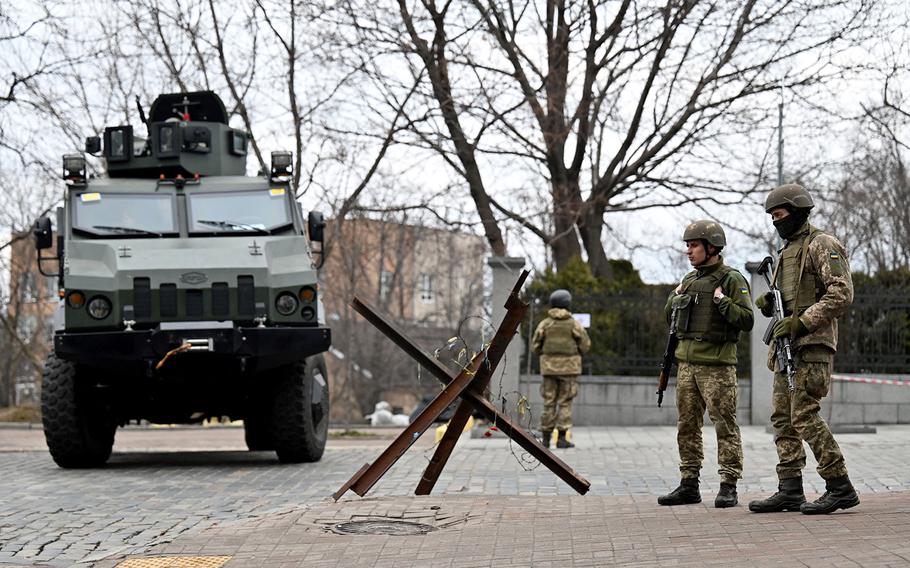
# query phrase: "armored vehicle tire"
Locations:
[[77, 435], [300, 412], [256, 432]]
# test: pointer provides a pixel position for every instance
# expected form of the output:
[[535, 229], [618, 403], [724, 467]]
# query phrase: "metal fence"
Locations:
[[874, 334], [629, 332]]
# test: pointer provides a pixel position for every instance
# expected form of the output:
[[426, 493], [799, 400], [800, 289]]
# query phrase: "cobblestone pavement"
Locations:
[[555, 531], [160, 490]]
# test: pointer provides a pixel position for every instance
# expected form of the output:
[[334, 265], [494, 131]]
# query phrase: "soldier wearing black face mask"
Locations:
[[814, 280]]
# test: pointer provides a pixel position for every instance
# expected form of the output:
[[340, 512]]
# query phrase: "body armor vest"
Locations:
[[810, 286], [559, 339], [698, 317]]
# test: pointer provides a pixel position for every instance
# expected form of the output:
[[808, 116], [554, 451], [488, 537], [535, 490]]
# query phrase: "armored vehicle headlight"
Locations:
[[307, 294], [75, 299], [99, 307], [308, 313], [74, 169], [286, 304], [281, 165]]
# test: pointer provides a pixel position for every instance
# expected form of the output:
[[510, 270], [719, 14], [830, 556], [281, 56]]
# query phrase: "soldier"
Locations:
[[560, 341], [813, 277], [713, 306]]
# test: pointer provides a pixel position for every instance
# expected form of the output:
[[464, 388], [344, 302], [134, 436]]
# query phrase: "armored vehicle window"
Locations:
[[122, 214], [257, 211]]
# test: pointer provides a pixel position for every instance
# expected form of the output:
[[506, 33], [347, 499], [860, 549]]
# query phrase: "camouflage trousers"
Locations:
[[713, 387], [795, 418], [557, 391]]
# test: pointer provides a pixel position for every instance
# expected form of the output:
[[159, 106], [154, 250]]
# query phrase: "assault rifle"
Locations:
[[783, 350], [669, 356]]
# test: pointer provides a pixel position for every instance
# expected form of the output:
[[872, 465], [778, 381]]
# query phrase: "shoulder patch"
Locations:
[[834, 255], [743, 290]]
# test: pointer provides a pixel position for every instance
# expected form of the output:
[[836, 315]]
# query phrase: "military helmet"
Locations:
[[709, 231], [792, 195], [560, 299]]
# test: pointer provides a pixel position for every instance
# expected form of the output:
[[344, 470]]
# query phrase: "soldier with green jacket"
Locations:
[[560, 341], [813, 277], [710, 308]]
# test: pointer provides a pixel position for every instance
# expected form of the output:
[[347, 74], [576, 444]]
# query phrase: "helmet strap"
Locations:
[[708, 253]]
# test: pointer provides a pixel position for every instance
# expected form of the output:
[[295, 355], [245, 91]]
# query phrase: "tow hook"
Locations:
[[205, 344]]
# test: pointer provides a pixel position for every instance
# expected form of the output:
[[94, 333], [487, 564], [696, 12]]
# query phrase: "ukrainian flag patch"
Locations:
[[834, 255], [744, 290]]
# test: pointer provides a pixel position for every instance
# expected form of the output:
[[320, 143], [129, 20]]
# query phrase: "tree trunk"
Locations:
[[565, 243], [591, 229]]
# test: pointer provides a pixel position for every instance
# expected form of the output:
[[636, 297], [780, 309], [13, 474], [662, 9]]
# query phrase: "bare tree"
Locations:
[[556, 112], [868, 204]]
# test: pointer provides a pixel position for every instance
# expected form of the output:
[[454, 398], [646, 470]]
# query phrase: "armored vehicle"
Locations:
[[188, 290]]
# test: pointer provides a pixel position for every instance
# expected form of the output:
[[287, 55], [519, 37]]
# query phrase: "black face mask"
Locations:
[[791, 223]]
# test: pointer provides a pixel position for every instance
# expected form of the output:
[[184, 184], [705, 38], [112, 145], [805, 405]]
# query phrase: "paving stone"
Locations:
[[167, 500]]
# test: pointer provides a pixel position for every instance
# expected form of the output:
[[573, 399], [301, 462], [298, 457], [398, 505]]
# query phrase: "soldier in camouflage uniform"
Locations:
[[560, 341], [710, 308], [813, 277]]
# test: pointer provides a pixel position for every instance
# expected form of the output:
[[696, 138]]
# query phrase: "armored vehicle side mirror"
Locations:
[[44, 236], [316, 226], [93, 145]]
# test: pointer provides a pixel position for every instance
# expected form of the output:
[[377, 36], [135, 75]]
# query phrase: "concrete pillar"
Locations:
[[506, 270], [762, 378]]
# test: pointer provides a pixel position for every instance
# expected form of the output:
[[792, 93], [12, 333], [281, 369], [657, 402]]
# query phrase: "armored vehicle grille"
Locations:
[[194, 303], [142, 297], [168, 297], [246, 295], [220, 299]]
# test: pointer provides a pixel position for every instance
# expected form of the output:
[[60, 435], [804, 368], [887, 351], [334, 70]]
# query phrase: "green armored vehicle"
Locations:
[[188, 291]]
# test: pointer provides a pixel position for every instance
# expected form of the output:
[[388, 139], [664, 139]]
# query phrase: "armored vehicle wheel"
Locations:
[[78, 436], [300, 416], [256, 432]]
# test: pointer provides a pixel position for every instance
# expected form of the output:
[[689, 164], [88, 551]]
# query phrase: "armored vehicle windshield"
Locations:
[[97, 214], [256, 210]]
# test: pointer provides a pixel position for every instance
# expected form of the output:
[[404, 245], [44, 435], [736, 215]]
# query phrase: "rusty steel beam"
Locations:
[[529, 443], [444, 449], [368, 475], [470, 387], [515, 314]]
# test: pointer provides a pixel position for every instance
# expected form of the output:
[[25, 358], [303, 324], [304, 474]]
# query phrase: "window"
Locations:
[[425, 288], [386, 279], [28, 288], [121, 214], [262, 210]]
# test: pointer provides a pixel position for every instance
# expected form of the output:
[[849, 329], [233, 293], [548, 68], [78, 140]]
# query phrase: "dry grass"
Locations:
[[25, 413], [348, 434]]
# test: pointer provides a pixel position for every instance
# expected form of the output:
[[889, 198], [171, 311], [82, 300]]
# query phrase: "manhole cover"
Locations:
[[389, 527]]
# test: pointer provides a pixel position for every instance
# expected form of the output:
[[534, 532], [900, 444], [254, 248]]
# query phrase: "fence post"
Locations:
[[506, 270], [762, 378]]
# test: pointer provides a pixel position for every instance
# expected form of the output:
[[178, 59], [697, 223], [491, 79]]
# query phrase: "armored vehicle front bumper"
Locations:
[[262, 346]]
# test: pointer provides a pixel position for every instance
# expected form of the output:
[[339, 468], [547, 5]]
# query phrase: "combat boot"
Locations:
[[686, 494], [839, 494], [561, 441], [726, 497], [546, 436], [789, 497]]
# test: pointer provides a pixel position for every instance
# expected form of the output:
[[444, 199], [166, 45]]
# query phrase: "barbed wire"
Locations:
[[521, 415]]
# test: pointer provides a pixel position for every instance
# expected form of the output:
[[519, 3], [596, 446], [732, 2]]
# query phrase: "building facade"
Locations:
[[428, 280]]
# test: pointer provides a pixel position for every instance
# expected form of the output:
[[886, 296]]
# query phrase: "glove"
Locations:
[[765, 303], [787, 327]]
